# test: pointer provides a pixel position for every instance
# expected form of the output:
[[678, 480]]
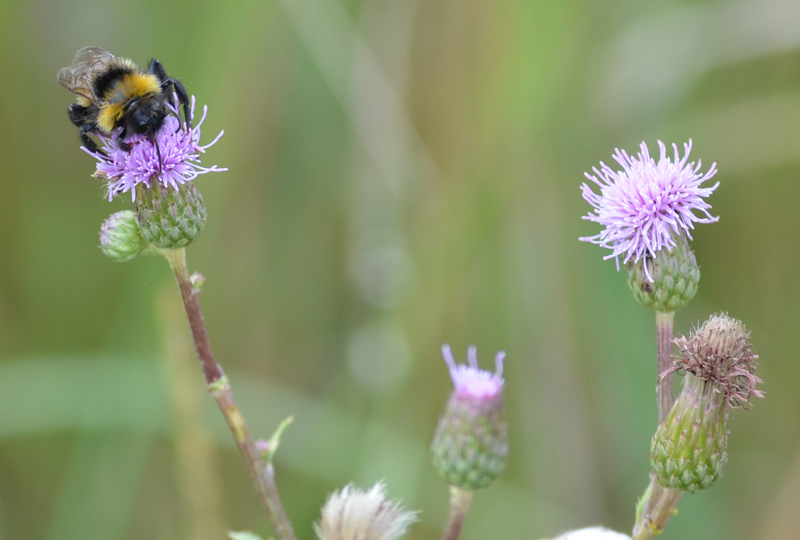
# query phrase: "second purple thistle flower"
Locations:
[[648, 203]]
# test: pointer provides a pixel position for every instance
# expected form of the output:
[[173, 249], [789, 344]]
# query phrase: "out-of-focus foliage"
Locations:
[[403, 173]]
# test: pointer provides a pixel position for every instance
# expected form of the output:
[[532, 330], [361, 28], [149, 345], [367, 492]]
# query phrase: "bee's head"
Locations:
[[145, 116]]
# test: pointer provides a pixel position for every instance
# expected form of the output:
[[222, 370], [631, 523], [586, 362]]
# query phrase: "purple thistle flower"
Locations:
[[471, 381], [180, 157], [646, 204]]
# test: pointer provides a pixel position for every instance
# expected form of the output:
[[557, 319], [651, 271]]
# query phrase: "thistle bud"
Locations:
[[668, 281], [170, 217], [689, 450], [470, 446], [352, 514], [120, 239]]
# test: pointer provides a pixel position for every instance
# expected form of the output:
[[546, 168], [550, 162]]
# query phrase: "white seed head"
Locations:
[[593, 533], [353, 514]]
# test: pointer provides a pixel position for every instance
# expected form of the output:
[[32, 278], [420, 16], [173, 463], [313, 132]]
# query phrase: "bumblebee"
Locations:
[[115, 93]]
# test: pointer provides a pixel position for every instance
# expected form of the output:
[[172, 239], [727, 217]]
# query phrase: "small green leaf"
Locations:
[[275, 440]]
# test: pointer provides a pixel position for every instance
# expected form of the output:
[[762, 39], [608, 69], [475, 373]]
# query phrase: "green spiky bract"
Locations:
[[675, 278], [689, 450], [470, 446], [170, 217]]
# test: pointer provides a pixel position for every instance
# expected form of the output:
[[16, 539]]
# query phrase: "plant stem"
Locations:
[[665, 323], [261, 473], [655, 510], [460, 500], [658, 503]]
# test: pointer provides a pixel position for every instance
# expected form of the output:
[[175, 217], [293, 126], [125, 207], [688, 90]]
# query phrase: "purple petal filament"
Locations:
[[472, 381]]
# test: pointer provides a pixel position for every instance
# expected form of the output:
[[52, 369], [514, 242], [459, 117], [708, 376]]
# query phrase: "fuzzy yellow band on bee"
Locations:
[[131, 86]]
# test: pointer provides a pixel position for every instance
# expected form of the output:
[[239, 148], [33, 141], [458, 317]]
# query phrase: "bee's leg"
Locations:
[[87, 141], [158, 151], [183, 97], [121, 141], [157, 69]]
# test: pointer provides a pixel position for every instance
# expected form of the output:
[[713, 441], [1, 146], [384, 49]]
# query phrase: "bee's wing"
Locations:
[[78, 77]]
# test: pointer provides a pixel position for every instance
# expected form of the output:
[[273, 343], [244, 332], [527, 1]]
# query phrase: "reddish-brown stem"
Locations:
[[261, 473], [211, 370]]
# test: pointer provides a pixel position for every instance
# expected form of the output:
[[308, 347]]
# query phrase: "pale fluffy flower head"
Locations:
[[593, 533], [352, 514]]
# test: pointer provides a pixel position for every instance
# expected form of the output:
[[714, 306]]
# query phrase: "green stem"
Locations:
[[261, 473], [460, 501], [665, 323], [657, 506]]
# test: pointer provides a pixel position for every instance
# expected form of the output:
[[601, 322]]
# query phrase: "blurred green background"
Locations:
[[403, 173]]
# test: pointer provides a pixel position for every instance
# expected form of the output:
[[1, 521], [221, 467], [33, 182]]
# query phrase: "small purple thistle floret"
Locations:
[[469, 380], [647, 204], [180, 157]]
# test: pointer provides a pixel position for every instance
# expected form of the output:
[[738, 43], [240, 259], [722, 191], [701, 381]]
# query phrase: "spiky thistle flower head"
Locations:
[[353, 514], [169, 209], [645, 206], [180, 151]]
